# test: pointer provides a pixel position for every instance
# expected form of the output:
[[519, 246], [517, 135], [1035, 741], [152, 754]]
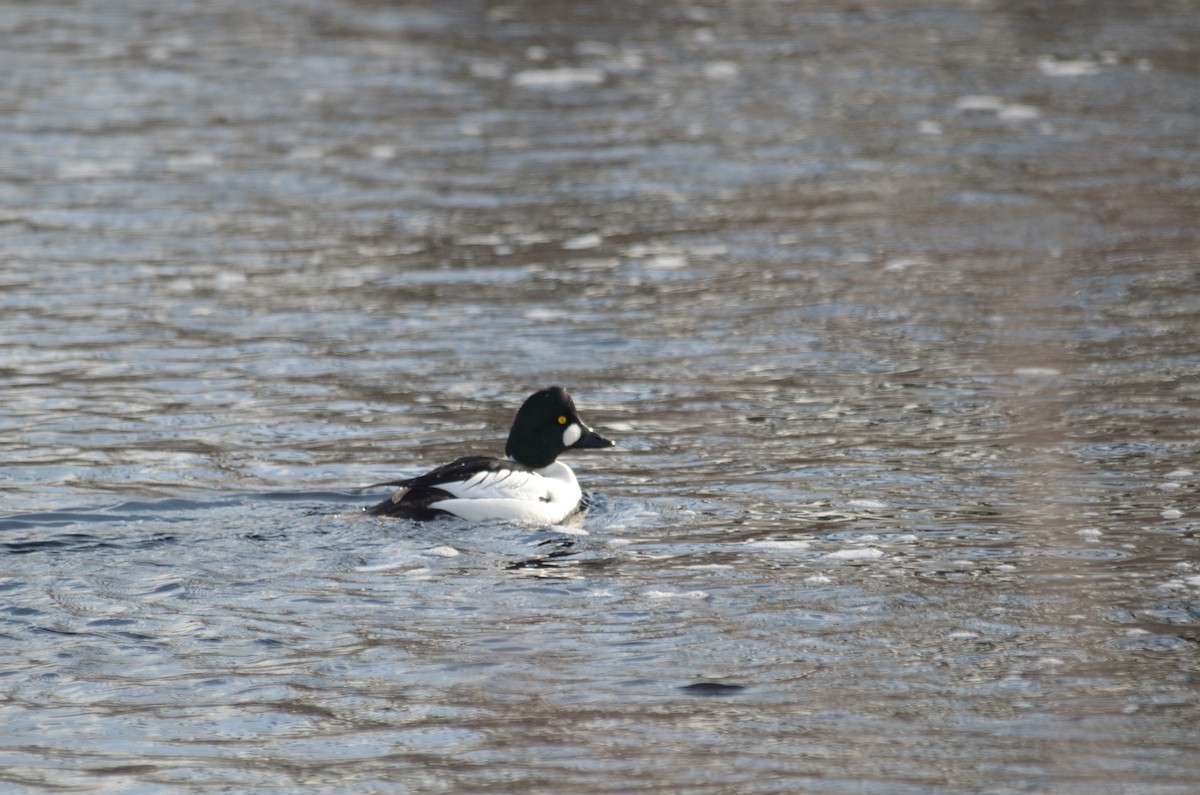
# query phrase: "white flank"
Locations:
[[547, 496]]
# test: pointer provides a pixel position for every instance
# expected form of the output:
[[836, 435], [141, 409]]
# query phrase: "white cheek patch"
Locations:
[[571, 434]]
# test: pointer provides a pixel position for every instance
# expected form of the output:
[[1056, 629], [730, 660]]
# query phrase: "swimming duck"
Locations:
[[530, 485]]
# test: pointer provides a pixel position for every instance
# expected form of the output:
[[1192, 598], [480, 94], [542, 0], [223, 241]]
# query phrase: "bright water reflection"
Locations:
[[893, 313]]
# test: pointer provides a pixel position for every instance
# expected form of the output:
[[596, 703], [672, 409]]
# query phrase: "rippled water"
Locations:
[[892, 309]]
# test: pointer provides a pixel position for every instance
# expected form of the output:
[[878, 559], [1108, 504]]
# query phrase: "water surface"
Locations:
[[892, 311]]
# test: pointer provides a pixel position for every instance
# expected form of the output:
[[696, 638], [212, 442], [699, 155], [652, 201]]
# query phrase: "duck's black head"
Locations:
[[546, 426]]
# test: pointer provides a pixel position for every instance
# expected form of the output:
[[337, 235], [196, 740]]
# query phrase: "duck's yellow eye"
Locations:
[[562, 420]]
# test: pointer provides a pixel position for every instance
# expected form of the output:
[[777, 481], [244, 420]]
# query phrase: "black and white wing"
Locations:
[[475, 477]]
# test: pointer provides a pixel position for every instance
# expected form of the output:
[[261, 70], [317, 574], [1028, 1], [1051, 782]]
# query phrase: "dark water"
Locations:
[[892, 308]]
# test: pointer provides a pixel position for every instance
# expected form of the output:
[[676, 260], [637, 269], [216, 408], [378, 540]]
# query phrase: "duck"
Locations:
[[530, 485]]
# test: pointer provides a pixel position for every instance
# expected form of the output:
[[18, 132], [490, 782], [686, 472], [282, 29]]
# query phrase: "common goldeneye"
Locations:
[[530, 485]]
